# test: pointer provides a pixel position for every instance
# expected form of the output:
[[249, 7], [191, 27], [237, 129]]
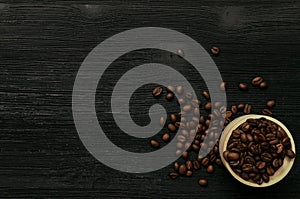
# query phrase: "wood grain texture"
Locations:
[[43, 45]]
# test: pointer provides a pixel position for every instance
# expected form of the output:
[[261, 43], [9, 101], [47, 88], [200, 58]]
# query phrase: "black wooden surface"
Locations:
[[43, 45]]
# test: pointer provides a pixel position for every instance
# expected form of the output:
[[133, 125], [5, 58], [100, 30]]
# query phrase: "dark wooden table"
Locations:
[[43, 45]]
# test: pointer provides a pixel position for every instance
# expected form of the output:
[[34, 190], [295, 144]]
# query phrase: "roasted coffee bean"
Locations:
[[263, 85], [266, 157], [249, 159], [223, 86], [171, 127], [215, 50], [189, 173], [187, 108], [264, 146], [189, 165], [207, 106], [243, 86], [274, 142], [234, 163], [173, 175], [285, 141], [196, 165], [169, 96], [240, 106], [157, 91], [270, 103], [202, 182], [182, 169], [185, 155], [162, 121], [236, 170], [225, 154], [178, 152], [247, 168], [260, 165], [206, 94], [205, 162], [179, 89], [173, 118], [228, 114], [270, 171], [170, 88], [233, 156], [219, 162], [234, 110], [176, 166], [243, 137], [245, 127], [166, 137], [265, 177], [257, 81], [195, 147], [154, 143], [275, 163], [247, 109], [210, 169], [252, 175], [249, 137], [290, 153], [245, 176], [267, 112]]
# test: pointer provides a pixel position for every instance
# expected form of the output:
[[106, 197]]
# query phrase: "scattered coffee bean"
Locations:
[[267, 112], [171, 127], [270, 103], [166, 137], [189, 165], [154, 143], [182, 169], [210, 169], [243, 86], [257, 81], [206, 94], [179, 89], [240, 106], [185, 155], [215, 50], [170, 89], [169, 96], [189, 173], [202, 182], [176, 166], [290, 153], [157, 91], [207, 106], [196, 165], [173, 175], [223, 86], [263, 85], [247, 109]]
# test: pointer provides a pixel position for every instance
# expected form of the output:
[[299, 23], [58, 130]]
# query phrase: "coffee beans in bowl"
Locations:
[[257, 150]]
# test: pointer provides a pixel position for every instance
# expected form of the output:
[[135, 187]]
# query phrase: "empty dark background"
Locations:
[[43, 45]]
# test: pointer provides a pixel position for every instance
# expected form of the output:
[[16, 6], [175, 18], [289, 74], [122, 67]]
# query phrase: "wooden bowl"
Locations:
[[279, 174]]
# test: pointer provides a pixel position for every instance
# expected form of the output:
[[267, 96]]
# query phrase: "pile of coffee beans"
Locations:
[[190, 140], [256, 149]]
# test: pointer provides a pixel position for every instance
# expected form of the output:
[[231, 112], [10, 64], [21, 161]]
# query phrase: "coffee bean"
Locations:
[[178, 152], [169, 96], [162, 121], [233, 156], [181, 101], [196, 165], [215, 50], [157, 91], [207, 106], [290, 153], [181, 138], [240, 106], [185, 155], [245, 176], [265, 177], [247, 168], [170, 89], [225, 154], [243, 86], [154, 143], [223, 86], [206, 94], [173, 118], [182, 169], [176, 166], [228, 114], [171, 127], [166, 137], [270, 171], [263, 85], [257, 81], [234, 110], [202, 182], [270, 103], [173, 175], [260, 165], [266, 157], [205, 162], [179, 89], [210, 169], [267, 112], [189, 173], [189, 165], [275, 163], [234, 163], [187, 108], [247, 109]]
